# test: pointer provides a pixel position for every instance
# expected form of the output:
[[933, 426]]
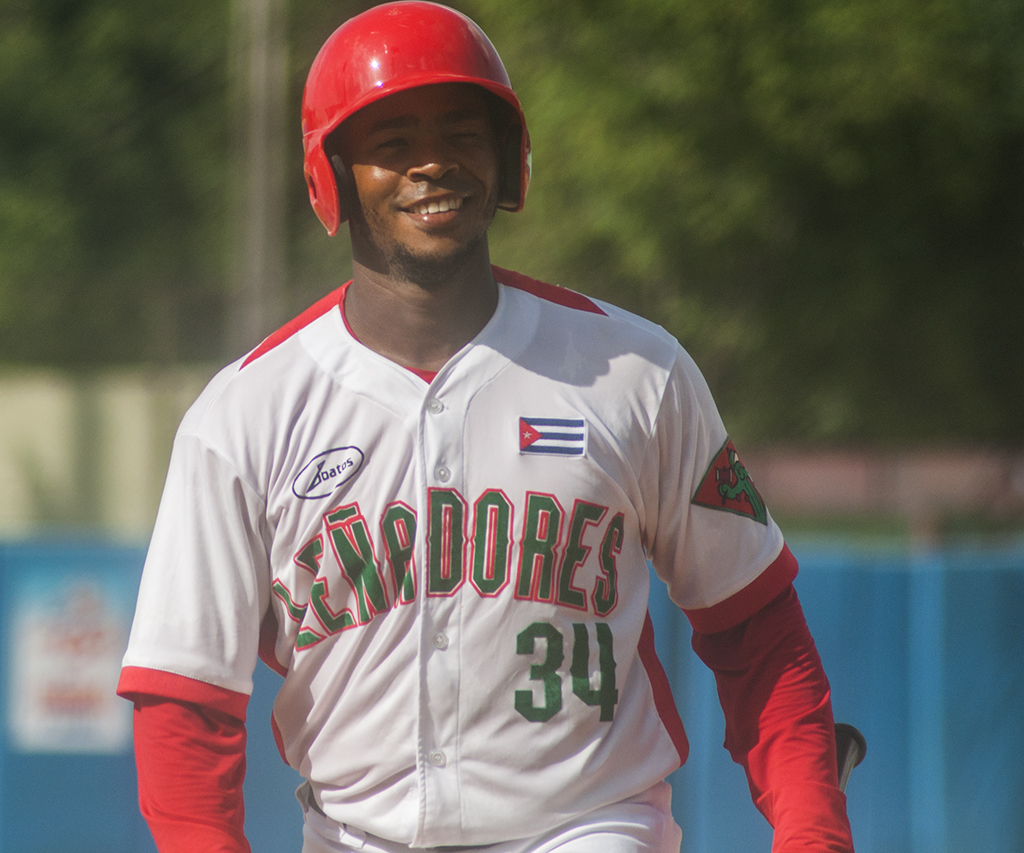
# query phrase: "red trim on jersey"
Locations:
[[268, 643], [426, 375], [748, 600], [664, 701], [278, 739], [139, 681], [558, 295], [314, 311]]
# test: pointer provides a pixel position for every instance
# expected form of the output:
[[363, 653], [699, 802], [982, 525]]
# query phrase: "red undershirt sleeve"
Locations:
[[779, 724], [191, 764]]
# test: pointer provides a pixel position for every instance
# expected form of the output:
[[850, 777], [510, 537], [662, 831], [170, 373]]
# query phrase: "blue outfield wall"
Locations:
[[925, 654]]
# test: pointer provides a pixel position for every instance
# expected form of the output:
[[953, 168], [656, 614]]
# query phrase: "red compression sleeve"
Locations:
[[779, 724], [191, 763]]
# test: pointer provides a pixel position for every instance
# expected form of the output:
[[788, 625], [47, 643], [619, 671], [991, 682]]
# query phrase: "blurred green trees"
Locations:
[[112, 151], [824, 199]]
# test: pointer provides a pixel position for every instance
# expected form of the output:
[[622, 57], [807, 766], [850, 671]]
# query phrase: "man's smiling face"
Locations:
[[424, 167]]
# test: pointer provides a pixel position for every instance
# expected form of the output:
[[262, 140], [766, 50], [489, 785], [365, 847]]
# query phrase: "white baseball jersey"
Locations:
[[453, 578]]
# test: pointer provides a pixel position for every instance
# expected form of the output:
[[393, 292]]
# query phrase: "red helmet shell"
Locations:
[[389, 49]]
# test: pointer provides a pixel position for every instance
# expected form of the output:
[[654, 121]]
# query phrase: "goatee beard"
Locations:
[[432, 270]]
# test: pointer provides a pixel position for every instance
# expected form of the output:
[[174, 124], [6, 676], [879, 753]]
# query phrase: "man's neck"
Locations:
[[415, 325]]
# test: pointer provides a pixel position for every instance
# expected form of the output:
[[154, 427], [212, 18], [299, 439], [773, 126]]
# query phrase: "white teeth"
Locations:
[[442, 206]]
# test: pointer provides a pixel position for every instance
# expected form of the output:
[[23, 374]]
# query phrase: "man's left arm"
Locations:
[[779, 724]]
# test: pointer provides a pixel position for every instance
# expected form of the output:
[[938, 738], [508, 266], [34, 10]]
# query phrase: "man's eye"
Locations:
[[468, 135]]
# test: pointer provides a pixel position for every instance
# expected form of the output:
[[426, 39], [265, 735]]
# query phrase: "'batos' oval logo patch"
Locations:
[[326, 471]]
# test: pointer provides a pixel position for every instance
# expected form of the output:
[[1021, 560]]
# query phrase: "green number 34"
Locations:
[[605, 696]]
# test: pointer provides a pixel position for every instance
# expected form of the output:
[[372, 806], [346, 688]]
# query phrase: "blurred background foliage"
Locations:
[[823, 199]]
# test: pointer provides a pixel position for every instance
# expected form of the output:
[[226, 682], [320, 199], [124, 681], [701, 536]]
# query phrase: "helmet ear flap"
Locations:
[[516, 166], [323, 188], [330, 187], [513, 152], [344, 185], [509, 188]]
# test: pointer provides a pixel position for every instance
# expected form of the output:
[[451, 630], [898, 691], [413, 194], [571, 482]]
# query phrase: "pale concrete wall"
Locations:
[[88, 451], [924, 488]]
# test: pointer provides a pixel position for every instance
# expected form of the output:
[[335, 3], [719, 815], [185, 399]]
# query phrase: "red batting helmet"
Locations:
[[388, 49]]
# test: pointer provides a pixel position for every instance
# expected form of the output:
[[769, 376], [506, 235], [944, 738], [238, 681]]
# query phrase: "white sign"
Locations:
[[67, 635]]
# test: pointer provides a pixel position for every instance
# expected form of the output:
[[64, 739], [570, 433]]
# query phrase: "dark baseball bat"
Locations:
[[850, 751]]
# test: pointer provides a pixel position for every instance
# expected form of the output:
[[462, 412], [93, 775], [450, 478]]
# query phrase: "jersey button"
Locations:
[[442, 473], [435, 406], [438, 758], [439, 640]]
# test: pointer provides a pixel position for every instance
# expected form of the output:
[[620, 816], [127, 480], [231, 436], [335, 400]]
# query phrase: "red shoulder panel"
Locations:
[[558, 295], [317, 309]]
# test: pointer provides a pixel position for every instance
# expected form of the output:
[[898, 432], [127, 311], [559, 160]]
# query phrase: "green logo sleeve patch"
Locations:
[[727, 486]]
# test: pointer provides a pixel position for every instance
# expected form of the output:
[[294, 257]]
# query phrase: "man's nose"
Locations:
[[433, 161]]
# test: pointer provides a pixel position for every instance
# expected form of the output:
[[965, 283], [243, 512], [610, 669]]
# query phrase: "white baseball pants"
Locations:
[[642, 824]]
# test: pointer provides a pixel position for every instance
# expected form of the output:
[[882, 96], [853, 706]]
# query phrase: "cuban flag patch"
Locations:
[[553, 436]]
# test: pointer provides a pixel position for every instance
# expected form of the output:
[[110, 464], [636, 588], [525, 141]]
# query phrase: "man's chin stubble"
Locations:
[[432, 270]]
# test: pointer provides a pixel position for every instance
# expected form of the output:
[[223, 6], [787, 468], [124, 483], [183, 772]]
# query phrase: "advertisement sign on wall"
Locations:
[[67, 631]]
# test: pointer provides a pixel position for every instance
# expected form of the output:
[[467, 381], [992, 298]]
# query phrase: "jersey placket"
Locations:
[[442, 578]]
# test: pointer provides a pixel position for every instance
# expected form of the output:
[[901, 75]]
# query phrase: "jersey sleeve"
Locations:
[[707, 531], [193, 647], [713, 541], [205, 583]]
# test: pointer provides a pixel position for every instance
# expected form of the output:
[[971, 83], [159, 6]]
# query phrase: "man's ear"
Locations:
[[347, 199]]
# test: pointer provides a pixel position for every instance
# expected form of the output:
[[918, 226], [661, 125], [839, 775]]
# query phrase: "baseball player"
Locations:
[[429, 503]]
